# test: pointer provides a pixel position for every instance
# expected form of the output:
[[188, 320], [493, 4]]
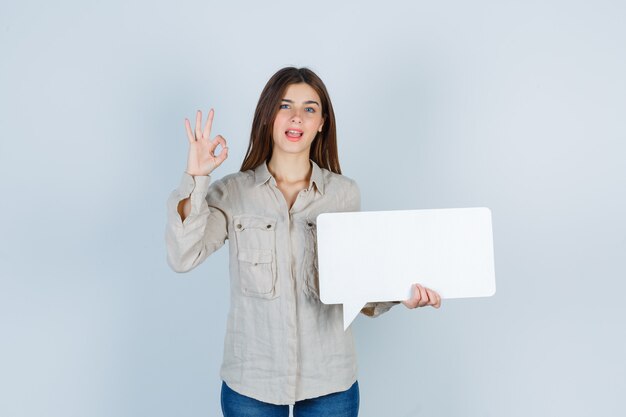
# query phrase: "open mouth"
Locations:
[[294, 134]]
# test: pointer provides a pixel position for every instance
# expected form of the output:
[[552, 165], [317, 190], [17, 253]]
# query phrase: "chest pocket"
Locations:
[[256, 255], [310, 268]]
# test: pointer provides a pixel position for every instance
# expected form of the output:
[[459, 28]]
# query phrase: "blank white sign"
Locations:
[[377, 255]]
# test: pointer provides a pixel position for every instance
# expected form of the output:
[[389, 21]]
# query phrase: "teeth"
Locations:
[[293, 132]]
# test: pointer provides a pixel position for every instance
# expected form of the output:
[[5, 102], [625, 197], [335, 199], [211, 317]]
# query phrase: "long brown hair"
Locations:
[[324, 146]]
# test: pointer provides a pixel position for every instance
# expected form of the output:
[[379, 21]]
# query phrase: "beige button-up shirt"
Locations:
[[282, 343]]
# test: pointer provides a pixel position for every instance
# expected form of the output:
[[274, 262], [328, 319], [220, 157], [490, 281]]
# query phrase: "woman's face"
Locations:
[[298, 120]]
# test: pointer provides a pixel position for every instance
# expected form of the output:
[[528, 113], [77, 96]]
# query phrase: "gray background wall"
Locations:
[[517, 106]]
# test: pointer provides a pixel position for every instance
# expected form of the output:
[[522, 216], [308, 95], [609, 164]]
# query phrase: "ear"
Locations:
[[321, 125]]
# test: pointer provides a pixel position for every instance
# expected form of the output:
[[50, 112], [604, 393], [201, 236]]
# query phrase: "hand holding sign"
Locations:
[[377, 256], [422, 297]]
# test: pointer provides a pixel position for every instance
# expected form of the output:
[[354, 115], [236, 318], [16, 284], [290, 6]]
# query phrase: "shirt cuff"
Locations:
[[378, 308], [193, 184]]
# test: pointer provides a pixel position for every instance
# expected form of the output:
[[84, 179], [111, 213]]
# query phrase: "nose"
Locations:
[[296, 116]]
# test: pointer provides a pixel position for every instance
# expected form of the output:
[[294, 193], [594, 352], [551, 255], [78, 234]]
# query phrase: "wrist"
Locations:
[[198, 174]]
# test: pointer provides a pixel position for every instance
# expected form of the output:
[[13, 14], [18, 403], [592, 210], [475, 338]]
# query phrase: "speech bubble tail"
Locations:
[[350, 311]]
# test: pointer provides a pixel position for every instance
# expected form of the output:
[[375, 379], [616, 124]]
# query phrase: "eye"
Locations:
[[310, 109], [284, 106]]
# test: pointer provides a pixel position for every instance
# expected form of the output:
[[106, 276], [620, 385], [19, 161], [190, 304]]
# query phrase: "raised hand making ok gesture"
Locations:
[[202, 159]]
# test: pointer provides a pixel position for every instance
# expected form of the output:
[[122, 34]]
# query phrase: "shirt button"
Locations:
[[309, 224], [239, 226], [269, 226]]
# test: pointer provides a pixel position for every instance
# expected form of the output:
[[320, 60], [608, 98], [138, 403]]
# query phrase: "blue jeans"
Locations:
[[336, 404]]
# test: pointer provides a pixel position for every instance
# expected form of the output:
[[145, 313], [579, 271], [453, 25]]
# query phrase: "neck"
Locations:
[[290, 168]]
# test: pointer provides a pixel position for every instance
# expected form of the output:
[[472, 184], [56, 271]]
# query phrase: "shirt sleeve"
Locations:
[[370, 309], [204, 230]]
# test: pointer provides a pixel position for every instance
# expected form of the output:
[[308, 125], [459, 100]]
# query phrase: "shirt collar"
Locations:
[[262, 175], [317, 177]]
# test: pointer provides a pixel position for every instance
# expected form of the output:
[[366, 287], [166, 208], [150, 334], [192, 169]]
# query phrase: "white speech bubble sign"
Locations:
[[372, 256]]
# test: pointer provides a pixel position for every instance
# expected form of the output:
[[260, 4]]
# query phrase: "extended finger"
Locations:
[[209, 122], [189, 131], [198, 125]]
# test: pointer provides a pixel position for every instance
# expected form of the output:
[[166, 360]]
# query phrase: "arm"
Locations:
[[202, 228], [196, 219]]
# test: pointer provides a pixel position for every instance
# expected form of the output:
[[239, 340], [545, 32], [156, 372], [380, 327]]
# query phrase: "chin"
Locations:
[[294, 148]]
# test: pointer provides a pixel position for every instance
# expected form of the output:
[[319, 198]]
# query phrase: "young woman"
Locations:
[[282, 345]]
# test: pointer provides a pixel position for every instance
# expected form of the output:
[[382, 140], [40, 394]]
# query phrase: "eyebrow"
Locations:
[[305, 102]]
